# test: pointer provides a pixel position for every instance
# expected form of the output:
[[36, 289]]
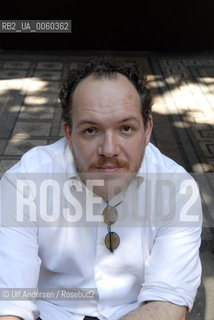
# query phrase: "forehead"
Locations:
[[103, 96]]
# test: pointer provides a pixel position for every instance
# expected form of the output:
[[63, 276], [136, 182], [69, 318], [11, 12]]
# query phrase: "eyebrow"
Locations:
[[121, 121], [130, 119]]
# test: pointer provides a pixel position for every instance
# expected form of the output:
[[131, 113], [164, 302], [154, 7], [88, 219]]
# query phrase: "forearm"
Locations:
[[157, 310]]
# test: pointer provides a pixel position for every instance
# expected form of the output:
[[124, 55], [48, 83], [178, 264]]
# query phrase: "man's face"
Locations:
[[108, 136]]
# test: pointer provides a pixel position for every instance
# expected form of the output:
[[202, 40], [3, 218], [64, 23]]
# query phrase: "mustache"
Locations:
[[102, 162]]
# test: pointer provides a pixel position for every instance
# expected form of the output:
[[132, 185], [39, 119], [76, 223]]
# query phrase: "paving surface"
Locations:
[[183, 111]]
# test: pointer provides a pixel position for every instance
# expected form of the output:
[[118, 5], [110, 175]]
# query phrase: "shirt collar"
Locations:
[[70, 168]]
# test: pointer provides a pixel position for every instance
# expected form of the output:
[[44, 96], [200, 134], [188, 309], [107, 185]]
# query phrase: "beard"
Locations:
[[112, 183]]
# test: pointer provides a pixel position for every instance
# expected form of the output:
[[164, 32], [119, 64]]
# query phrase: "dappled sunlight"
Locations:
[[157, 108], [29, 97], [18, 137], [27, 106], [32, 100], [14, 84], [183, 115], [35, 84], [201, 167], [199, 116], [192, 99], [37, 112], [187, 100], [151, 81], [180, 124], [186, 95], [14, 109], [206, 80]]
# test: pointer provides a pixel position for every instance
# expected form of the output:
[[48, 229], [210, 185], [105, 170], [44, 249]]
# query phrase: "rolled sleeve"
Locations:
[[20, 266], [19, 260], [26, 310], [173, 270]]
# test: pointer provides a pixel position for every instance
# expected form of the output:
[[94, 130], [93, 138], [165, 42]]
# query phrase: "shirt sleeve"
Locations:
[[173, 269], [19, 260]]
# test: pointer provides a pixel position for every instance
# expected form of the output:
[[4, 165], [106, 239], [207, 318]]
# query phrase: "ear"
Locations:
[[148, 129], [67, 132]]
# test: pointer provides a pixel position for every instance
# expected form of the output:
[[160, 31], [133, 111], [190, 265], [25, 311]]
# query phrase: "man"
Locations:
[[126, 232]]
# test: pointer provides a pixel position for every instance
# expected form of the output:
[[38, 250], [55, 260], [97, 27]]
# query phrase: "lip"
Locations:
[[109, 169]]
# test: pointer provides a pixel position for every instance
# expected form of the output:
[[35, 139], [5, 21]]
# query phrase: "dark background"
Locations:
[[128, 26]]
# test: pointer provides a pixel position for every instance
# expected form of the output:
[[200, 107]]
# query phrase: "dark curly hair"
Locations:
[[104, 68]]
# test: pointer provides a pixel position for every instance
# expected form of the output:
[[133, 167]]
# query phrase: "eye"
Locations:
[[89, 131], [126, 129]]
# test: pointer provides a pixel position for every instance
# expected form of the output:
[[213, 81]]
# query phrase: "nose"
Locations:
[[109, 145]]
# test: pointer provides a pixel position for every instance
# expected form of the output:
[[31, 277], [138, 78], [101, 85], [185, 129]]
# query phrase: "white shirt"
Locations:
[[157, 258]]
